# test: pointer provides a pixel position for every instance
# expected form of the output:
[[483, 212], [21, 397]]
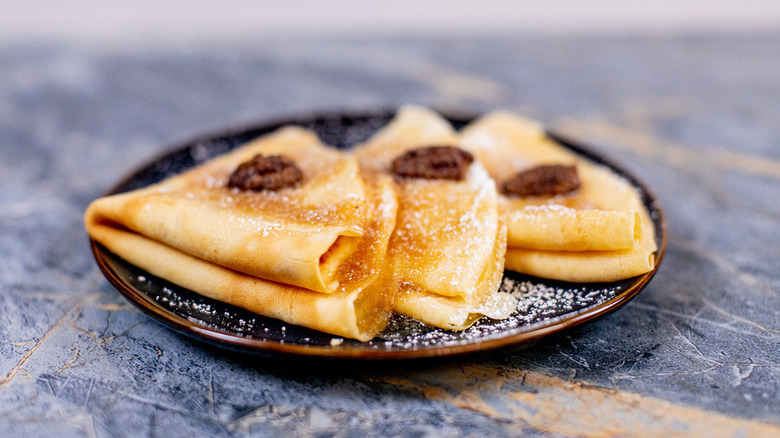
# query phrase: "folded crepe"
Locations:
[[445, 258], [599, 232], [304, 254]]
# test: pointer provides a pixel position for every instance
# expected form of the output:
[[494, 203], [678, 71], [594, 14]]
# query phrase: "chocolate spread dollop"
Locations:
[[271, 172], [433, 162], [546, 180]]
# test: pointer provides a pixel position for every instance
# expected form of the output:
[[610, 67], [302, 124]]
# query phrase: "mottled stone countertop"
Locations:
[[697, 352]]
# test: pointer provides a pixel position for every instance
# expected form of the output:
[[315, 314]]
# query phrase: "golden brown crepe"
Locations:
[[297, 236], [445, 258], [600, 232], [304, 255]]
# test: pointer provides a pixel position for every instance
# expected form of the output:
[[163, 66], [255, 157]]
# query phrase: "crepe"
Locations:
[[600, 232], [445, 258], [297, 236], [304, 255]]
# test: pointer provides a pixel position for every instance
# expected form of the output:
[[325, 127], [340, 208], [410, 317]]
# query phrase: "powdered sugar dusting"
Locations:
[[535, 304]]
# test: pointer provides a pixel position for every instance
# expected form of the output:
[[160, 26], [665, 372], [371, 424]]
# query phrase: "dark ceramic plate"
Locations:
[[544, 306]]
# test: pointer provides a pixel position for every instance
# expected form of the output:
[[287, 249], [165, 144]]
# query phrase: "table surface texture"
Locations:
[[697, 118]]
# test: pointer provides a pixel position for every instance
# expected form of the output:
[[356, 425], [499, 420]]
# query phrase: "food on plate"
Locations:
[[419, 220], [445, 259], [594, 229]]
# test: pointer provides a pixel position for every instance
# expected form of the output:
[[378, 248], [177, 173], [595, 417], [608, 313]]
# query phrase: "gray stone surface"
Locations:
[[697, 118]]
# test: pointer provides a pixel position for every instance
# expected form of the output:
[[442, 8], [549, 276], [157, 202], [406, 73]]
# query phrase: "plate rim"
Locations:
[[269, 348]]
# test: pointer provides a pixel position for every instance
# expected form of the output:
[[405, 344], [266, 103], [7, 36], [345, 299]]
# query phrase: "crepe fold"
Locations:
[[445, 258], [600, 232], [305, 255], [298, 236], [557, 227]]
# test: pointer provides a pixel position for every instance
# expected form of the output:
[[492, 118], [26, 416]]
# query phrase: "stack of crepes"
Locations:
[[352, 243]]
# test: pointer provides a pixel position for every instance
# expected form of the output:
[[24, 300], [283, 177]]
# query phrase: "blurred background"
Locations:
[[100, 23]]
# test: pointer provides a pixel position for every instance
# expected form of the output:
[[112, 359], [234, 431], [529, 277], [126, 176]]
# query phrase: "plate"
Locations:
[[545, 306]]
